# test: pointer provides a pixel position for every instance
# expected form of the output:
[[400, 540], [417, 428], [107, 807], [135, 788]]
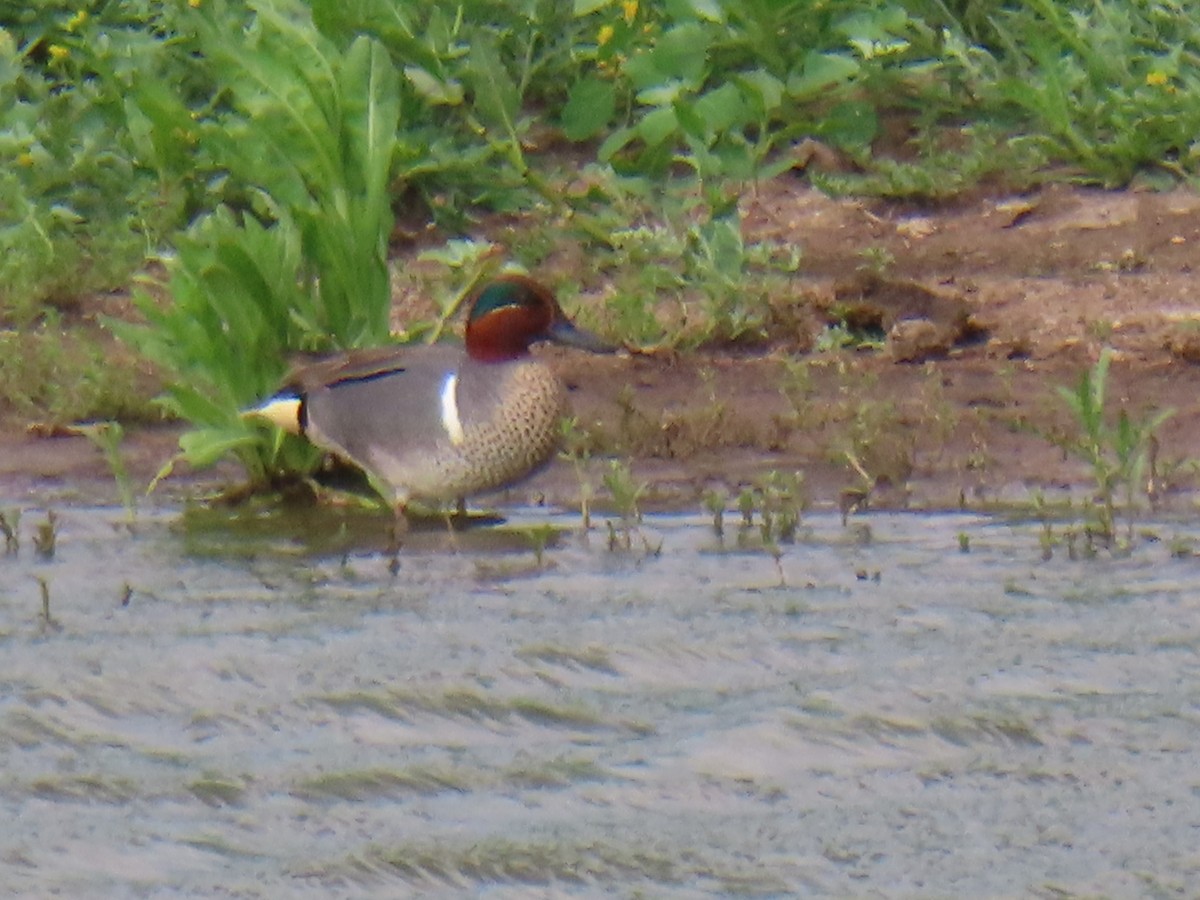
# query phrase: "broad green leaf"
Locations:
[[587, 7], [495, 93], [722, 108], [433, 90], [765, 88], [852, 124], [876, 25], [590, 107], [869, 49], [615, 143], [694, 126], [682, 51], [204, 446], [736, 160], [822, 71], [709, 10], [679, 55], [657, 126], [662, 94]]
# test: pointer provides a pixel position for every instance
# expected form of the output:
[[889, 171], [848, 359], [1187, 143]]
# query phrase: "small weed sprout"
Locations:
[[625, 491], [539, 537], [576, 449], [1182, 547], [782, 501], [714, 503], [747, 502], [107, 437], [45, 539], [1118, 454], [876, 260], [779, 499], [798, 390], [47, 621], [10, 522], [1046, 539]]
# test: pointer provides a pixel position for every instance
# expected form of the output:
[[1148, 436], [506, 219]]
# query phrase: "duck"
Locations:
[[439, 423]]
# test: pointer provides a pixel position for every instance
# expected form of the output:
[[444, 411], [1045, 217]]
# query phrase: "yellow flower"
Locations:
[[58, 52], [1156, 79], [630, 9], [76, 20], [605, 35], [25, 159], [194, 4]]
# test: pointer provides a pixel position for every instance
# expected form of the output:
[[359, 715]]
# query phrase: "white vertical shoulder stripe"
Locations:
[[450, 420]]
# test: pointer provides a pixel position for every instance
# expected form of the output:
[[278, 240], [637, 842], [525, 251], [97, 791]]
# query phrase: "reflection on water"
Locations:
[[895, 718]]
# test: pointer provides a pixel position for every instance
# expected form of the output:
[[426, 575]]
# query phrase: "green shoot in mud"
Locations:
[[1118, 454], [539, 537], [10, 528], [1046, 539], [626, 492], [782, 501], [778, 499], [107, 437], [714, 503], [576, 449], [46, 622], [45, 537]]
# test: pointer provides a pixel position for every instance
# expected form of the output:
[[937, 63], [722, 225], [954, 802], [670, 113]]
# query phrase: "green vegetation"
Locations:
[[1117, 452], [262, 148], [106, 437]]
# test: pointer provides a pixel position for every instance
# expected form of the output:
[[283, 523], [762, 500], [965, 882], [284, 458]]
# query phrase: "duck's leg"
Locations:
[[397, 532]]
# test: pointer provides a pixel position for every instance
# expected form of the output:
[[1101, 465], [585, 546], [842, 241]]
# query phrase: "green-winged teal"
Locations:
[[440, 423]]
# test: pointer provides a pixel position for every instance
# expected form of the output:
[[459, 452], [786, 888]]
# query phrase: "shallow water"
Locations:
[[896, 719]]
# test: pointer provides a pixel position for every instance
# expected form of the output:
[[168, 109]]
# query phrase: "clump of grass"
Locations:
[[77, 212], [624, 490], [539, 537], [59, 376], [45, 538], [576, 449], [107, 437], [1117, 452], [714, 502], [626, 493], [778, 500], [10, 528], [311, 126], [782, 501], [46, 621]]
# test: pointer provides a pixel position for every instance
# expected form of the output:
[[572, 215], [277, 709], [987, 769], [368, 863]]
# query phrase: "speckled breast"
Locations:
[[510, 419]]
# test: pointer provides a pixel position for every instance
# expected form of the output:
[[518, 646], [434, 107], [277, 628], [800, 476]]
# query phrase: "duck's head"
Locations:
[[512, 312]]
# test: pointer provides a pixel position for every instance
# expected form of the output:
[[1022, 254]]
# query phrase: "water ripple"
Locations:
[[874, 713]]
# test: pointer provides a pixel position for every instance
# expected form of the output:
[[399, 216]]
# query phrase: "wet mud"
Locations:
[[987, 306]]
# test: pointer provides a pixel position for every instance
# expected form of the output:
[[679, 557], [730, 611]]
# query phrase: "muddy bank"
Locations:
[[984, 309]]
